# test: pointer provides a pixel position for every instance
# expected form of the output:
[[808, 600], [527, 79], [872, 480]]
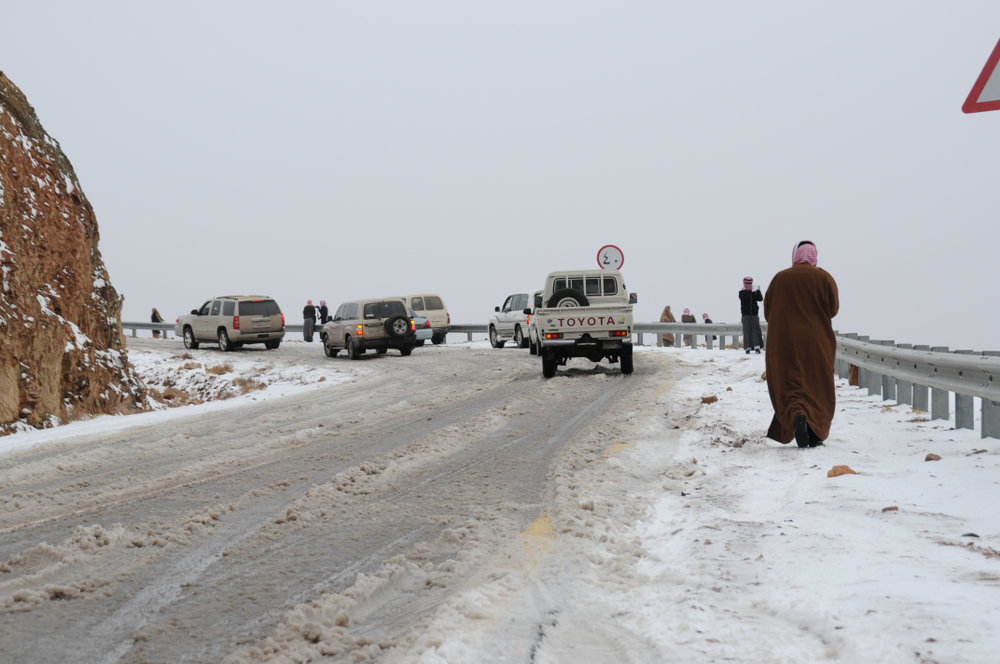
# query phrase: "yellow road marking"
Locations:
[[539, 540]]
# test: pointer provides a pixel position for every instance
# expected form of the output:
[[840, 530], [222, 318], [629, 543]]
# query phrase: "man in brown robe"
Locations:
[[667, 317], [798, 306]]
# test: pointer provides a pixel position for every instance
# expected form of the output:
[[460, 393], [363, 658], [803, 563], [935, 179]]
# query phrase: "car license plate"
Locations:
[[261, 323]]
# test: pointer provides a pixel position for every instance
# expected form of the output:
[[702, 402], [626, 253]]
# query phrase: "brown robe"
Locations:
[[801, 349], [667, 317], [688, 338]]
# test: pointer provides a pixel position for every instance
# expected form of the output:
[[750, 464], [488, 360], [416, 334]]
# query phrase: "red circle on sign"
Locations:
[[603, 263]]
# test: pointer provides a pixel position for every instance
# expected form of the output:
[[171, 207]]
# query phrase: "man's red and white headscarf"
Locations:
[[804, 252]]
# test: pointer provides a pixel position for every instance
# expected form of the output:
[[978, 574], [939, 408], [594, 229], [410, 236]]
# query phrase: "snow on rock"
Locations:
[[61, 354]]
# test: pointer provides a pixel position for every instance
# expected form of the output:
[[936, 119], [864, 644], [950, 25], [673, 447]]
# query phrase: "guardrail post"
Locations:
[[874, 383], [862, 372], [904, 388], [965, 416], [939, 398], [921, 399], [888, 382], [991, 411]]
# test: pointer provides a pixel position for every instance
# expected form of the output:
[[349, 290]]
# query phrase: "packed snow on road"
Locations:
[[679, 534]]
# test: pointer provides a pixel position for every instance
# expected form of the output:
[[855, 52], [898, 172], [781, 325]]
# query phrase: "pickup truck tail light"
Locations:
[[282, 321], [361, 330], [236, 322], [619, 333], [553, 335]]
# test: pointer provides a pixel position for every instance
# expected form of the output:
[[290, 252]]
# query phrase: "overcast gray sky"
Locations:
[[339, 150]]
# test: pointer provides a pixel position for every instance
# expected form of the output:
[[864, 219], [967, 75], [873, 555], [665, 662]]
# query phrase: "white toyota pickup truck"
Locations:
[[585, 313]]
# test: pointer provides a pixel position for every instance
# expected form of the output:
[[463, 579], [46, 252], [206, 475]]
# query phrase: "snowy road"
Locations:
[[342, 516], [453, 507]]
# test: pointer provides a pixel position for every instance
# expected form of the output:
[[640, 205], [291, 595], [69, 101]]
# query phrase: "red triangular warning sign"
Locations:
[[985, 94]]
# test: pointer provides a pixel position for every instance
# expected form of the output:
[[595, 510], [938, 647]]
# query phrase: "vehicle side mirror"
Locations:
[[194, 311], [496, 309], [527, 312], [632, 298]]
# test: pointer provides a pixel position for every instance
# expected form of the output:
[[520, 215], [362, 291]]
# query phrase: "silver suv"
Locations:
[[234, 320], [378, 324]]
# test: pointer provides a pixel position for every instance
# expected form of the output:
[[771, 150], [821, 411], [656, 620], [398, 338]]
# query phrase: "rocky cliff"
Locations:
[[62, 354]]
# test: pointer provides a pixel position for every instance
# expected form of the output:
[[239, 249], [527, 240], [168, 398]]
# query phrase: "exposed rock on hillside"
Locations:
[[62, 354]]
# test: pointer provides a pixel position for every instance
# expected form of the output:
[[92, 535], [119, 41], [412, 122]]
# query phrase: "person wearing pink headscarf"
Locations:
[[750, 312], [688, 317], [324, 312], [799, 306]]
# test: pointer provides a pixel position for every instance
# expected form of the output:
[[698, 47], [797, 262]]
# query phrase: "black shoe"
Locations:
[[801, 430], [758, 351], [748, 351], [814, 440]]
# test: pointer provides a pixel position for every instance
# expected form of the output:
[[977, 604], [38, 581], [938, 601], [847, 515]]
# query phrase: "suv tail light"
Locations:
[[413, 325], [361, 330], [236, 322], [449, 318], [282, 321]]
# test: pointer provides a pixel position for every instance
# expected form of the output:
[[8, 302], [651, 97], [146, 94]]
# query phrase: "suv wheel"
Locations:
[[189, 341], [329, 350], [224, 343], [437, 338], [272, 345], [352, 349], [496, 343], [406, 350], [519, 339]]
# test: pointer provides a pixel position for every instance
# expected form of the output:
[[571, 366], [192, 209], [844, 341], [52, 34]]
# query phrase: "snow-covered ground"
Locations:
[[703, 540]]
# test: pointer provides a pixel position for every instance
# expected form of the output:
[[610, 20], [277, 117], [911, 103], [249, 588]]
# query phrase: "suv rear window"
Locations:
[[259, 308], [384, 309], [433, 303]]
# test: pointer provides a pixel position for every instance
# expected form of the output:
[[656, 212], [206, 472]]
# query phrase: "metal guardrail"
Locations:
[[923, 377]]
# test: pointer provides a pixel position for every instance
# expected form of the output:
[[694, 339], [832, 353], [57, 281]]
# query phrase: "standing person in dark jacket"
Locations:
[[750, 310], [324, 313], [308, 320], [156, 318], [708, 321]]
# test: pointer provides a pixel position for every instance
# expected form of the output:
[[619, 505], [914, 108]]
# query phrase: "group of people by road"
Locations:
[[311, 316], [799, 305]]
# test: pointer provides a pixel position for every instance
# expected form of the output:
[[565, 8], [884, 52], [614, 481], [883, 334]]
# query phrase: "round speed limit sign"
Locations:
[[610, 257]]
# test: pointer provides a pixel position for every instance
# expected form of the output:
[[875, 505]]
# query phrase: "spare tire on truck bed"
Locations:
[[568, 297]]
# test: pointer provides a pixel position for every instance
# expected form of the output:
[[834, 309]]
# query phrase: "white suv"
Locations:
[[509, 322]]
